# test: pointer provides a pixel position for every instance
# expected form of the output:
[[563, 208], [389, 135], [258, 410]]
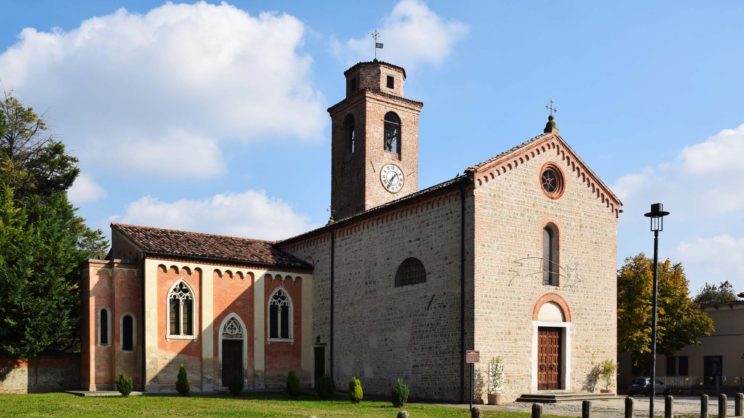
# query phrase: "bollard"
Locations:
[[738, 404], [628, 407], [586, 409], [475, 412], [668, 403], [536, 410], [703, 406], [722, 405]]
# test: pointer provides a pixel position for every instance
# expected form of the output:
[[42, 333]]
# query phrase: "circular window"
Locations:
[[551, 180]]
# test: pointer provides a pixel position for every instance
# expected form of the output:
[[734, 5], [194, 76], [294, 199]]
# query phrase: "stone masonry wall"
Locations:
[[46, 373], [511, 212], [383, 332]]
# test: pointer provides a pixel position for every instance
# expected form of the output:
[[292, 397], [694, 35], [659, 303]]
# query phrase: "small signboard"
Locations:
[[472, 356]]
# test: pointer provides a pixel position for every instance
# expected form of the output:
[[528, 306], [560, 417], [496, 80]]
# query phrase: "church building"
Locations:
[[514, 258]]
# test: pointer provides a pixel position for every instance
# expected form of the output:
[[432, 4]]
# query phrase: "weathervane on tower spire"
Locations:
[[378, 45]]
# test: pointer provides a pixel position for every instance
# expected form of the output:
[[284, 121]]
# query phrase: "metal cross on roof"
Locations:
[[378, 45], [552, 109]]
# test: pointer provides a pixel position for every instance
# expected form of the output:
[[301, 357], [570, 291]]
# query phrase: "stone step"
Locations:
[[564, 397]]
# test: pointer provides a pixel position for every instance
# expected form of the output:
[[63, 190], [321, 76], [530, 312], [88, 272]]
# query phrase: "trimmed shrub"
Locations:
[[124, 384], [356, 394], [236, 383], [293, 384], [326, 388], [182, 382], [400, 393]]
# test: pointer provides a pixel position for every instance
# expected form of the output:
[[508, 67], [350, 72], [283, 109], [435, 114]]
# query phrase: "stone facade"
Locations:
[[511, 211]]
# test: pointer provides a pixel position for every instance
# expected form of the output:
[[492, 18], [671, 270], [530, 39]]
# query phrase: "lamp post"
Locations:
[[657, 215]]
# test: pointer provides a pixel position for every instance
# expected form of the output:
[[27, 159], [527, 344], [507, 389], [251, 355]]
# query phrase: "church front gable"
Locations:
[[544, 224]]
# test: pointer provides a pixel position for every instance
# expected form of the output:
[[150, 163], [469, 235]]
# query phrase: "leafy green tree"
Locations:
[[42, 240], [681, 322], [711, 294], [39, 255], [32, 161]]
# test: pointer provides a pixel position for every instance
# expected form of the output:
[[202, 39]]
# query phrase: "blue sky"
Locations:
[[211, 116]]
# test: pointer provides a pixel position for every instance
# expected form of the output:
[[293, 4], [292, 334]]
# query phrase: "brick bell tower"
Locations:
[[374, 140]]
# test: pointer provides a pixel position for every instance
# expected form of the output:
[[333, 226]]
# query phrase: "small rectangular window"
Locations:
[[390, 82], [671, 366], [683, 370], [353, 85]]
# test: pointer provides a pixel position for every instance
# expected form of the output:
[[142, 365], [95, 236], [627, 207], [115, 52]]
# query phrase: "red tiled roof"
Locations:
[[196, 245]]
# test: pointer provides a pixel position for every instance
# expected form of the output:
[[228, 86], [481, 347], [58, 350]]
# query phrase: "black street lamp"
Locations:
[[657, 215]]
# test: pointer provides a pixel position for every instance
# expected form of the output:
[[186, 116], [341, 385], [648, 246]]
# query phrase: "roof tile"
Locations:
[[169, 242]]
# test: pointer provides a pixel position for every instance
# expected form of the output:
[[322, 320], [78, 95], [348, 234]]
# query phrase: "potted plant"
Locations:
[[496, 381], [606, 373]]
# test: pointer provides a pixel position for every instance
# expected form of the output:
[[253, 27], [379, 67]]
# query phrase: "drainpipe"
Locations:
[[333, 268], [462, 294], [142, 323]]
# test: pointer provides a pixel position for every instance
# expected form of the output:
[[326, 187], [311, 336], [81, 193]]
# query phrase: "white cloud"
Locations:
[[413, 35], [250, 214], [721, 255], [175, 155], [213, 71], [703, 192], [84, 190], [720, 153]]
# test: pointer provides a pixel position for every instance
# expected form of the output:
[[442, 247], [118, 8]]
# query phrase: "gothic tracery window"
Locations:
[[232, 330], [181, 310], [392, 133], [550, 255], [280, 315]]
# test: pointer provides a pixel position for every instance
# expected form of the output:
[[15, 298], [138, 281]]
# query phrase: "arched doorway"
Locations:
[[233, 345], [551, 344]]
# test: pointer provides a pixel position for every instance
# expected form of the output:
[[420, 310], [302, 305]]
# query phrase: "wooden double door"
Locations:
[[549, 358]]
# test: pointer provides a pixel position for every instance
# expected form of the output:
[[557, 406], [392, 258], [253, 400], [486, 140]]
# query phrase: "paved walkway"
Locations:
[[683, 406]]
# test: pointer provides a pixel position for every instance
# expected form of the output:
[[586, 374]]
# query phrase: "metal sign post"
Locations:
[[472, 357]]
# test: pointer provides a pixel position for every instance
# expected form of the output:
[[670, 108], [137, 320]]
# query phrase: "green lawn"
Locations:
[[253, 405]]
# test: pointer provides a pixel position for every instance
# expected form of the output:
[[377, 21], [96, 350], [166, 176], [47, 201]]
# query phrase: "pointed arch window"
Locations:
[[350, 134], [104, 327], [392, 133], [181, 310], [551, 264], [280, 315]]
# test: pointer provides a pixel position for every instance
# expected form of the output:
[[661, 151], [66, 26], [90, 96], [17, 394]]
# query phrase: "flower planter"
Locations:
[[495, 398]]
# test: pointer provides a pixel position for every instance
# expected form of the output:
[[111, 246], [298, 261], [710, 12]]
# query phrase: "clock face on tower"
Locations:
[[392, 178]]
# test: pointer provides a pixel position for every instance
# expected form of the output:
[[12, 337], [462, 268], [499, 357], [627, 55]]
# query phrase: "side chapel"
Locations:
[[515, 258]]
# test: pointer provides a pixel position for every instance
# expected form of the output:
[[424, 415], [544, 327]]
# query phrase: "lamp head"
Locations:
[[657, 215]]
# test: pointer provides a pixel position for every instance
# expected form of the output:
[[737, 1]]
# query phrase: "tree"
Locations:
[[681, 322], [710, 294], [32, 162], [42, 240]]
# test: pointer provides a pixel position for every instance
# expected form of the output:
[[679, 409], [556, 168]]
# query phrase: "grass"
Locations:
[[251, 405]]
